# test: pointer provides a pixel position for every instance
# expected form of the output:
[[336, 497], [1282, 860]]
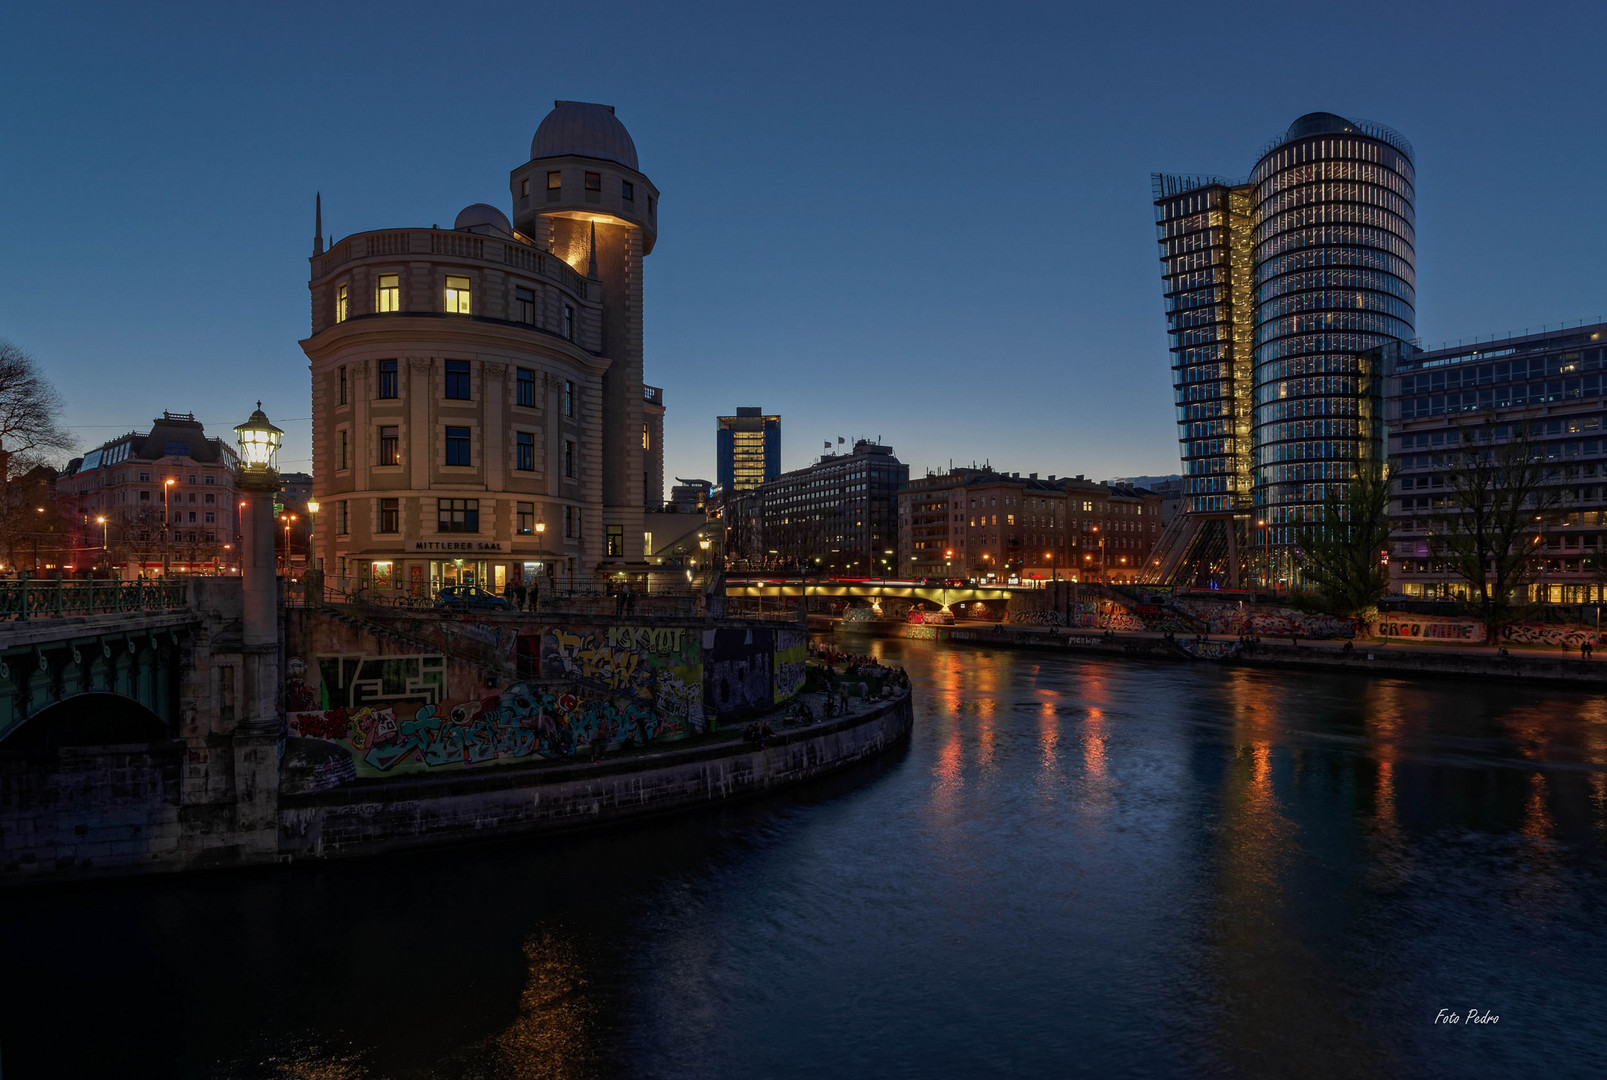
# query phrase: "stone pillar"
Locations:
[[259, 729]]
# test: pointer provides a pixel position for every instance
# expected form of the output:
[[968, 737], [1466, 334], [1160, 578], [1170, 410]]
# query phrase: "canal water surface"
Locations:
[[1075, 868]]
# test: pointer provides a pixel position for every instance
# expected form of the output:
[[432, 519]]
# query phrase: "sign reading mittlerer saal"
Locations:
[[458, 547]]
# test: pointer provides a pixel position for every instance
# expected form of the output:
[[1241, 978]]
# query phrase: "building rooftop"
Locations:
[[585, 129]]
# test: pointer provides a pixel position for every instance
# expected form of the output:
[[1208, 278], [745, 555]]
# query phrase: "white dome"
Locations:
[[584, 129], [481, 216]]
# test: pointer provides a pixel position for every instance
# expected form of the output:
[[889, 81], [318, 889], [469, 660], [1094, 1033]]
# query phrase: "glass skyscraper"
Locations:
[[1275, 288]]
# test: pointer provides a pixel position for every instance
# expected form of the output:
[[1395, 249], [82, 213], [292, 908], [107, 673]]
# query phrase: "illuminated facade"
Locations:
[[1276, 288], [1556, 383], [479, 411], [747, 450]]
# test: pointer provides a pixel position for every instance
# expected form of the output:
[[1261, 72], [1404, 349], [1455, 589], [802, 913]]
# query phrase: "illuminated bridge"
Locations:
[[782, 589]]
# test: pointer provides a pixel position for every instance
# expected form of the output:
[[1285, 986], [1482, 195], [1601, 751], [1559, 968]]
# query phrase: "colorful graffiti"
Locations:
[[354, 682], [523, 721], [663, 665], [858, 614], [792, 652]]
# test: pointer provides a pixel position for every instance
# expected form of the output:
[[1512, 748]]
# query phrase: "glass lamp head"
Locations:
[[258, 441]]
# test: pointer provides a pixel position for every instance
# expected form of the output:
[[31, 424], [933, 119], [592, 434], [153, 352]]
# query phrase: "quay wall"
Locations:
[[368, 819]]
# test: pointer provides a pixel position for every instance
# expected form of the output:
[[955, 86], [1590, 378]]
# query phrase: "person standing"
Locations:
[[519, 596]]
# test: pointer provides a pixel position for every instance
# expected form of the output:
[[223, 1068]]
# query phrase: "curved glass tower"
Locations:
[[1334, 276]]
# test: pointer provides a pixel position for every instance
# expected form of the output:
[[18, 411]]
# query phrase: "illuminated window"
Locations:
[[340, 302], [525, 518], [525, 452], [627, 191], [457, 515], [389, 445], [340, 385], [387, 379], [646, 440], [616, 541], [457, 295], [569, 322], [525, 388], [388, 294], [555, 184], [390, 515], [457, 380], [569, 398], [524, 305], [457, 446]]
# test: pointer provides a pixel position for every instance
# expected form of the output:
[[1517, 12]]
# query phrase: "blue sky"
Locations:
[[929, 223]]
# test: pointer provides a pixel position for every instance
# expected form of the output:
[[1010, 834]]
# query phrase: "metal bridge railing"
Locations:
[[25, 599]]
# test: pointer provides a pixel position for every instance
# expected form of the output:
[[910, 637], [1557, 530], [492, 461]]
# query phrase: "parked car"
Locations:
[[470, 598]]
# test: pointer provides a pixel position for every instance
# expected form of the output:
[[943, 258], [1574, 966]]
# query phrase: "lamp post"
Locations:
[[258, 479], [167, 527], [315, 569], [105, 549]]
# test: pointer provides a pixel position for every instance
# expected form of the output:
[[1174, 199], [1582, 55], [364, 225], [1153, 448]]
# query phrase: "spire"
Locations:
[[591, 262], [318, 224]]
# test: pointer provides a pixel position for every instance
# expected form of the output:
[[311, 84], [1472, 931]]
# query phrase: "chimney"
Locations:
[[1032, 476]]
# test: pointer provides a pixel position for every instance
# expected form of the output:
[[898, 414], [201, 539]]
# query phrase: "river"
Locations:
[[1075, 867]]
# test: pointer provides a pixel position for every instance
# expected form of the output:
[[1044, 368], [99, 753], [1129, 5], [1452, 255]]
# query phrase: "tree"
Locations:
[[30, 435], [30, 432], [1489, 533], [1342, 553]]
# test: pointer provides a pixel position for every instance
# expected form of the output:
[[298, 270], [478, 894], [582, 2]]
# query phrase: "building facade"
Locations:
[[839, 515], [983, 525], [158, 503], [1276, 290], [747, 450], [479, 411], [1555, 384]]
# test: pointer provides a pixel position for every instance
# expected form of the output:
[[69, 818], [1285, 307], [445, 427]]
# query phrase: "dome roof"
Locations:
[[480, 215], [1319, 123], [584, 129]]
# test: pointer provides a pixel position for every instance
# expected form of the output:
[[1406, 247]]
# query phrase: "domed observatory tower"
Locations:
[[582, 197]]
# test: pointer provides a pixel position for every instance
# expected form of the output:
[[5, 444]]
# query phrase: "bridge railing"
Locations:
[[25, 599]]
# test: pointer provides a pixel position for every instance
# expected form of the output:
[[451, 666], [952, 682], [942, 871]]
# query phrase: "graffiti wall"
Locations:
[[524, 721], [739, 667], [792, 651], [656, 664], [1429, 628]]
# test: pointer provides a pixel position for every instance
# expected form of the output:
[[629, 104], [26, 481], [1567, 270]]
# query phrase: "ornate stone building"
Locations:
[[479, 414]]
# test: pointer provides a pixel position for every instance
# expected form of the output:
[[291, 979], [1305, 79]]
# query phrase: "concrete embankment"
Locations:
[[372, 817], [1368, 658]]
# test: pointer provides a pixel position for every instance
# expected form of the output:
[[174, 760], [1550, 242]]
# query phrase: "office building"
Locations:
[[838, 515], [747, 450], [1550, 382], [1276, 289], [479, 410]]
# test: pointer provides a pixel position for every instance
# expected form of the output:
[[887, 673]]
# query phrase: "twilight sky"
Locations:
[[928, 223]]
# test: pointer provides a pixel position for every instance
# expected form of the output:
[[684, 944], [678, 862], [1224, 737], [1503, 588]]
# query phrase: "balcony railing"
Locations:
[[27, 599]]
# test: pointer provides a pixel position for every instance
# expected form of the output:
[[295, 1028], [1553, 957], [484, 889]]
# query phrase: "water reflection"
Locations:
[[1139, 870]]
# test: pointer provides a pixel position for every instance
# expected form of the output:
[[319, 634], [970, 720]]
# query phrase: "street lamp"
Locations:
[[258, 477], [167, 527], [312, 535], [105, 552]]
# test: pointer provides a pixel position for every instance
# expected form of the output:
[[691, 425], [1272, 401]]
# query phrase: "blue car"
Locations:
[[470, 598]]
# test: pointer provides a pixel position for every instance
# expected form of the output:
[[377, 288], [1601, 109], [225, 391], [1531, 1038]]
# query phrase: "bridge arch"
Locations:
[[95, 718]]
